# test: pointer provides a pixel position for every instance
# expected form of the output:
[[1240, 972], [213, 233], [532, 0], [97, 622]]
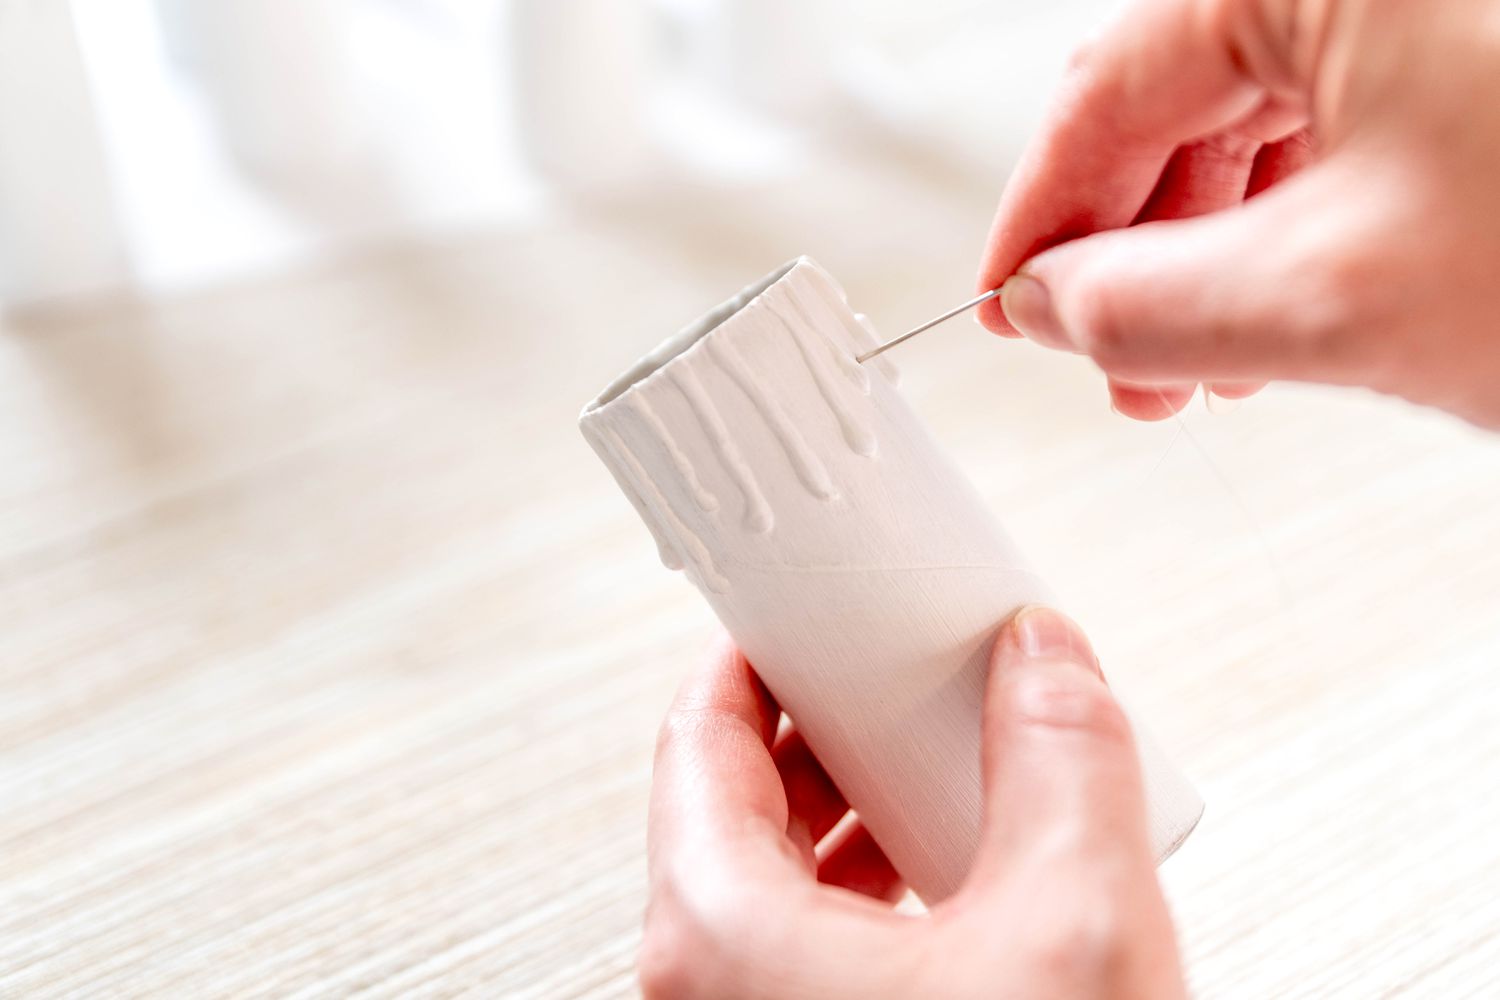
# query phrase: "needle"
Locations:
[[862, 358]]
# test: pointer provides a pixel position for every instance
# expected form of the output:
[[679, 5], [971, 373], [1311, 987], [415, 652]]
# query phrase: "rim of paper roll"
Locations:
[[688, 337]]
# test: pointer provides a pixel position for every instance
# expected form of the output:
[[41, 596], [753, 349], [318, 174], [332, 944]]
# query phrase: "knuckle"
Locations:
[[677, 946], [695, 934], [674, 728], [1336, 320], [664, 967], [1347, 276], [1102, 325], [1051, 700], [684, 728], [1087, 945]]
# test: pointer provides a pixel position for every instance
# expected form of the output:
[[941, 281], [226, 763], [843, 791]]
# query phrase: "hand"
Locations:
[[1062, 899], [1231, 191]]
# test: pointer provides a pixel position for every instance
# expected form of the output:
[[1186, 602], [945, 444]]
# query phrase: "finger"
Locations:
[[1152, 402], [1279, 160], [814, 804], [1060, 769], [857, 863], [1202, 177], [1235, 390], [1166, 73], [1247, 294], [1224, 397], [727, 684], [732, 911], [1274, 121], [714, 784]]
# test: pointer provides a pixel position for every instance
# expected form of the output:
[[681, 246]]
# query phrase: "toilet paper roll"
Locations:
[[851, 560]]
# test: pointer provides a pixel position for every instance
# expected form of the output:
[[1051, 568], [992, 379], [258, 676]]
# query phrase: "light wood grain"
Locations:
[[332, 659]]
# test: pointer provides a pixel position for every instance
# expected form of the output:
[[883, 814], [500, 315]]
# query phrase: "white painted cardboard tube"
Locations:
[[845, 552]]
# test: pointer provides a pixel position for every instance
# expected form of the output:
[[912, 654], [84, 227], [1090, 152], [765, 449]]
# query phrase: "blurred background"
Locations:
[[331, 659], [167, 145]]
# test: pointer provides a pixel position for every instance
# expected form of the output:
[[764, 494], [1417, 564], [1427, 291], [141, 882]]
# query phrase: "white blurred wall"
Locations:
[[168, 143]]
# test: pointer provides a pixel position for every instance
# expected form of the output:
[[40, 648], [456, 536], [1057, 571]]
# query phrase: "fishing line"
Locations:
[[1283, 589]]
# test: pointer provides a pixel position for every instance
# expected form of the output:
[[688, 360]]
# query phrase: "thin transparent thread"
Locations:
[[1283, 589]]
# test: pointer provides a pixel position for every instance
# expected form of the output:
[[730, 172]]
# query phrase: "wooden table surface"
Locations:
[[331, 660]]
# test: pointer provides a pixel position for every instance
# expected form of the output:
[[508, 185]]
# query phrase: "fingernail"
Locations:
[[1028, 307], [1217, 403], [1042, 633]]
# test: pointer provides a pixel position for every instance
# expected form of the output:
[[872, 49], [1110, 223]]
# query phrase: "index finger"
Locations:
[[1164, 73], [714, 780]]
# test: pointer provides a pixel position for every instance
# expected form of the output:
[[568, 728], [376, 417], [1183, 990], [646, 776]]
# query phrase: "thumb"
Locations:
[[1060, 770], [1269, 289]]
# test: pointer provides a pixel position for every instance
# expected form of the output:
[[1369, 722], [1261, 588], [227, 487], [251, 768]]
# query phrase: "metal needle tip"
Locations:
[[945, 317]]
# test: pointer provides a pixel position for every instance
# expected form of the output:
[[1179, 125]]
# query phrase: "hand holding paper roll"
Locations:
[[1062, 900], [866, 579], [1233, 191]]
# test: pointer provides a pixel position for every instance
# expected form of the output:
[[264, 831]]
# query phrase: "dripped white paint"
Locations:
[[858, 325], [702, 497], [669, 520], [816, 317], [810, 468], [856, 430], [871, 607], [626, 473], [758, 516]]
